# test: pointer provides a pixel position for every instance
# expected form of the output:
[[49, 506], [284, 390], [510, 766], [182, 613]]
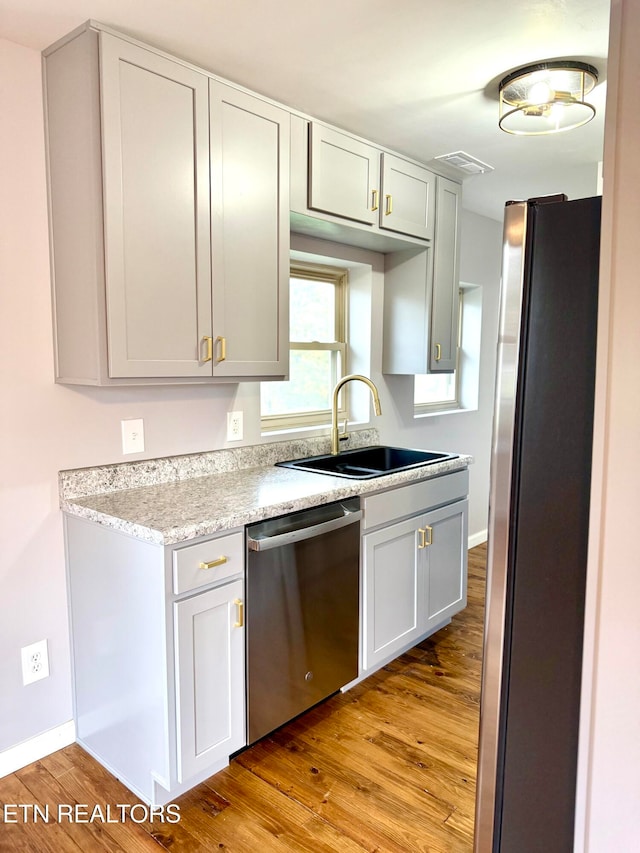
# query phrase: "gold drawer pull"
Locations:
[[389, 209], [213, 563], [438, 352], [209, 342], [426, 536], [374, 199], [223, 348], [240, 621]]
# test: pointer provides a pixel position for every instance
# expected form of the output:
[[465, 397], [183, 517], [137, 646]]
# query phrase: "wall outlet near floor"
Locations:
[[35, 662], [234, 426], [133, 435]]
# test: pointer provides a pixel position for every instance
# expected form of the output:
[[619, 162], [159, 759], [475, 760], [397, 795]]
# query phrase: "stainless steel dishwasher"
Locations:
[[301, 611]]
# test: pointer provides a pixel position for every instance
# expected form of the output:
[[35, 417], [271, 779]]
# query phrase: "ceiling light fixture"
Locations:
[[547, 97]]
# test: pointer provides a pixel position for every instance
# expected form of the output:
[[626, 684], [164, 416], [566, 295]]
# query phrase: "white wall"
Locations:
[[468, 431], [608, 817], [462, 432], [47, 427]]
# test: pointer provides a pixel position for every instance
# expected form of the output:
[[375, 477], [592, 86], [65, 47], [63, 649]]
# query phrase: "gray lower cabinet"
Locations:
[[158, 655], [209, 648], [393, 590], [414, 578], [154, 168]]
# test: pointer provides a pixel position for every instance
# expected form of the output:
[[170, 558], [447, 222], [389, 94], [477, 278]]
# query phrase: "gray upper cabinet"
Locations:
[[152, 175], [344, 175], [407, 198], [250, 234], [155, 144], [446, 279], [339, 178], [421, 296]]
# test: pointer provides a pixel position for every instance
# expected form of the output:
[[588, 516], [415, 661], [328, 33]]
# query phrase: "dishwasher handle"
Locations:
[[303, 533]]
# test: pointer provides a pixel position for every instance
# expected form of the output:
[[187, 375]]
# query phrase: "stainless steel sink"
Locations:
[[367, 462]]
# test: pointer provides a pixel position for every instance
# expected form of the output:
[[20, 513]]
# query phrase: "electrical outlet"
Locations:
[[35, 662], [234, 426], [132, 435]]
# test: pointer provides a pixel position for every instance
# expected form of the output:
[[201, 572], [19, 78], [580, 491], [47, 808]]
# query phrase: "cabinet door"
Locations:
[[407, 203], [209, 652], [250, 234], [393, 587], [155, 144], [445, 555], [446, 284], [407, 299], [344, 175]]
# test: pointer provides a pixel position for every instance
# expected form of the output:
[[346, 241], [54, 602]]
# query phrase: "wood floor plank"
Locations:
[[388, 767], [392, 786], [30, 831], [46, 789], [270, 819], [294, 772], [57, 763], [88, 782], [371, 801]]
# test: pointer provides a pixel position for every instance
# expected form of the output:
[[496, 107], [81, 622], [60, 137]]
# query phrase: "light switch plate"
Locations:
[[133, 435]]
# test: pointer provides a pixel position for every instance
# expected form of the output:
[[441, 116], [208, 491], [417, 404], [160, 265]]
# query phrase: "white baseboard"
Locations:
[[37, 747], [478, 538]]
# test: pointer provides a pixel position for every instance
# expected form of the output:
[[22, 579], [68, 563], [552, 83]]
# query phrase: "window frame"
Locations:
[[338, 276]]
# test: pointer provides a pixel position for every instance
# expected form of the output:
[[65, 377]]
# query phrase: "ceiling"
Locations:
[[418, 76]]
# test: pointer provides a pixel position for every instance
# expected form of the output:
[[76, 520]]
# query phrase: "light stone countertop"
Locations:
[[167, 513]]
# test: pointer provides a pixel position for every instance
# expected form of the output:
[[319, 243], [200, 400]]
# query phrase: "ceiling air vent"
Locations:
[[465, 162]]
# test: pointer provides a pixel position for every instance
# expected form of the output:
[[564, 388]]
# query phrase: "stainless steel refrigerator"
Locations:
[[538, 527]]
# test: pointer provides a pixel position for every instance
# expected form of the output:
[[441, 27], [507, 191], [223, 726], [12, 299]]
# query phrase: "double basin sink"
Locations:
[[367, 462]]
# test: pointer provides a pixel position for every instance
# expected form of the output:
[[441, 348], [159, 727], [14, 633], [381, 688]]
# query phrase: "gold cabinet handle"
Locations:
[[389, 205], [240, 620], [426, 537], [438, 352], [374, 199], [223, 348], [209, 342], [213, 563]]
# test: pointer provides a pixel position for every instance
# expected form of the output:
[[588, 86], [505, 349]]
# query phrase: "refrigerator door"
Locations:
[[513, 271], [538, 527]]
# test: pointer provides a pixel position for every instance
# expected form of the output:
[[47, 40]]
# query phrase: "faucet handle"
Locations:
[[344, 435]]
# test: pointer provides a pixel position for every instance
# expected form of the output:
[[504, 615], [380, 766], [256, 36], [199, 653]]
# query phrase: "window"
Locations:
[[433, 392], [318, 350]]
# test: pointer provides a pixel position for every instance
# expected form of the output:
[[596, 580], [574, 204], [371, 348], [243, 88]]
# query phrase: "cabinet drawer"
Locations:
[[413, 498], [190, 564]]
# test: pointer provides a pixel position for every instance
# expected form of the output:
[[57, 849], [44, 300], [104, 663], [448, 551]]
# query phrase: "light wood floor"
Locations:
[[388, 766]]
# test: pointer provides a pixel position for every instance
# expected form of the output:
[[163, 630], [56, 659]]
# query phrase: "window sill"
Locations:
[[311, 431], [438, 412]]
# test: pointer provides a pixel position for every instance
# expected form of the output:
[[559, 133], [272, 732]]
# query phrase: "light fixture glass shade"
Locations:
[[547, 98]]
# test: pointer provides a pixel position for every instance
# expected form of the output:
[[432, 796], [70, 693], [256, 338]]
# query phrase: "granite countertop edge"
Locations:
[[174, 513]]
